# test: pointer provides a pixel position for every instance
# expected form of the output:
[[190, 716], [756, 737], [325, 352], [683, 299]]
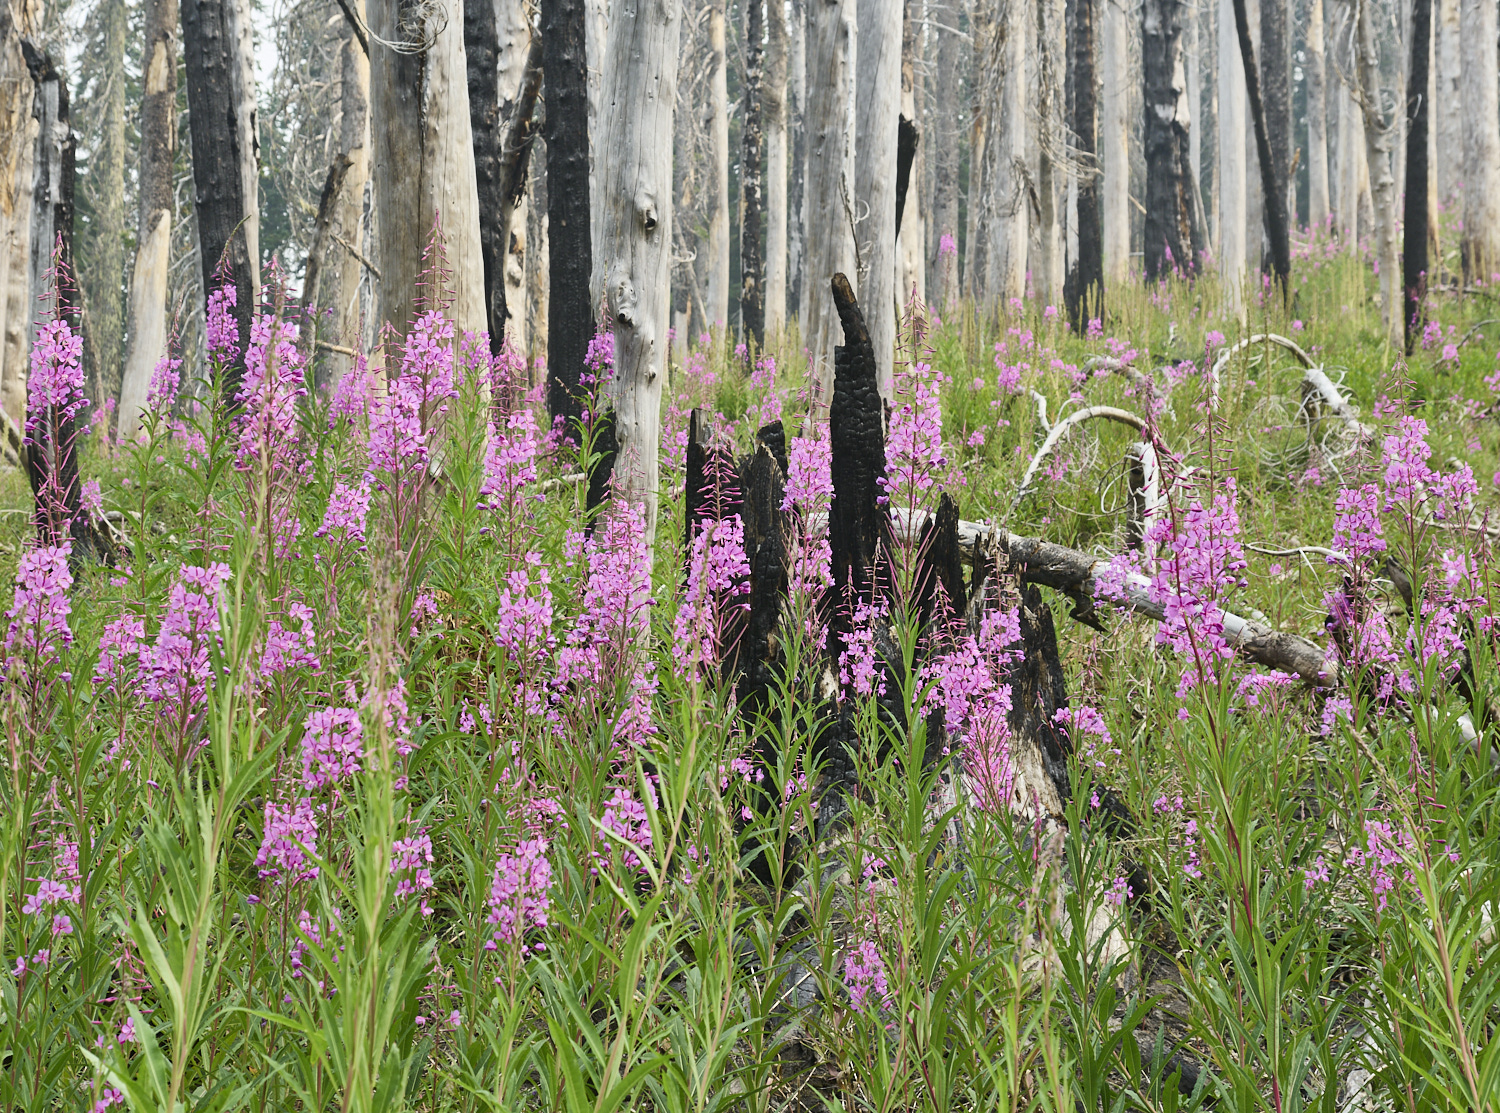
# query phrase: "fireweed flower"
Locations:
[[332, 746], [1088, 733], [291, 834], [1406, 470], [859, 663], [624, 817], [290, 646], [1383, 857], [411, 862], [352, 395], [519, 900], [988, 771], [914, 445], [718, 578], [221, 330], [54, 390], [119, 641], [1356, 525], [864, 974], [510, 458], [161, 394], [39, 630], [275, 378], [175, 668], [348, 510]]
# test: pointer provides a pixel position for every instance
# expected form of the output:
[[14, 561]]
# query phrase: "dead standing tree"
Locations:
[[1174, 238]]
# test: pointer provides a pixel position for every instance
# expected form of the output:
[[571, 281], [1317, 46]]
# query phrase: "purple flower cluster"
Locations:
[[332, 746], [348, 510], [39, 630], [54, 390], [290, 836], [914, 446], [718, 578], [519, 899], [175, 669], [411, 864], [624, 817], [864, 974]]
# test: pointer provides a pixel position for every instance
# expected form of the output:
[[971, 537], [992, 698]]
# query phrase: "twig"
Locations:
[[1300, 550], [1055, 433], [324, 346], [371, 267]]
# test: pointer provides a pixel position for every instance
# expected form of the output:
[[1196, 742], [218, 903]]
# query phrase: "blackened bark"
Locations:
[[570, 311], [940, 595], [601, 470], [857, 522], [210, 54], [1276, 94], [1039, 689], [752, 189], [907, 137], [1083, 291], [1173, 235], [482, 57], [712, 490], [1274, 198], [1414, 247], [51, 445], [756, 654]]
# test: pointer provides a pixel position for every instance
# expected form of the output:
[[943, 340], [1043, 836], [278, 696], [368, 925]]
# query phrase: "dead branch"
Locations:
[[1058, 430]]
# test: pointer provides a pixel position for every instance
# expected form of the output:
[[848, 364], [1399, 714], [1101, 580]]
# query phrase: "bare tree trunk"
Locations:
[[718, 147], [635, 246], [1414, 218], [1448, 104], [943, 145], [349, 213], [1317, 121], [148, 286], [1233, 203], [796, 192], [537, 263], [1382, 182], [16, 155], [1274, 52], [774, 111], [596, 33], [103, 276], [570, 309], [877, 111], [1273, 197], [911, 237], [1051, 44], [1480, 246], [1173, 237], [1011, 228], [982, 31], [424, 162], [217, 51], [1115, 129], [1085, 286], [827, 179], [1192, 60], [752, 158]]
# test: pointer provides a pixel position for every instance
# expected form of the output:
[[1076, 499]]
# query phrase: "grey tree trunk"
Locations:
[[1051, 184], [633, 268], [1274, 54], [1272, 195], [828, 178], [877, 111], [1233, 208], [1382, 182], [148, 286], [218, 52], [796, 232], [774, 113], [1010, 212], [103, 276], [942, 141], [911, 237], [752, 162], [17, 151], [1318, 204], [982, 31], [1480, 246], [1173, 237], [349, 275], [1114, 129], [1448, 105], [718, 183], [1085, 286]]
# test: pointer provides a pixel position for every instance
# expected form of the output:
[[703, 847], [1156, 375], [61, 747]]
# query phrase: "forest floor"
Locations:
[[369, 779]]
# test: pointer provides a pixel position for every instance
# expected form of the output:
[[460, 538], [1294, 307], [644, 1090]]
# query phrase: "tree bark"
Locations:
[[1382, 182], [828, 178], [482, 59], [944, 140], [1317, 121], [103, 275], [349, 215], [1415, 227], [752, 158], [635, 246], [1115, 142], [1173, 236], [774, 113], [1085, 286], [796, 191], [1233, 215], [718, 147], [877, 115], [911, 235], [424, 167], [1448, 121], [570, 309], [16, 153], [982, 31], [1272, 196], [1010, 230], [148, 286], [1274, 53], [217, 51], [1480, 246]]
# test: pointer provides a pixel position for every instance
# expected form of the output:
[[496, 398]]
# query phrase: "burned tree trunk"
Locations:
[[1276, 97], [216, 48], [1084, 289], [762, 483], [570, 310], [1414, 247], [482, 57], [858, 525], [752, 257], [1273, 197], [1173, 235]]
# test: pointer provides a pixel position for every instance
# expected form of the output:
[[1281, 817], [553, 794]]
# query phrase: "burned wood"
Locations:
[[756, 653], [940, 593], [712, 488], [858, 528], [907, 137], [601, 465]]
